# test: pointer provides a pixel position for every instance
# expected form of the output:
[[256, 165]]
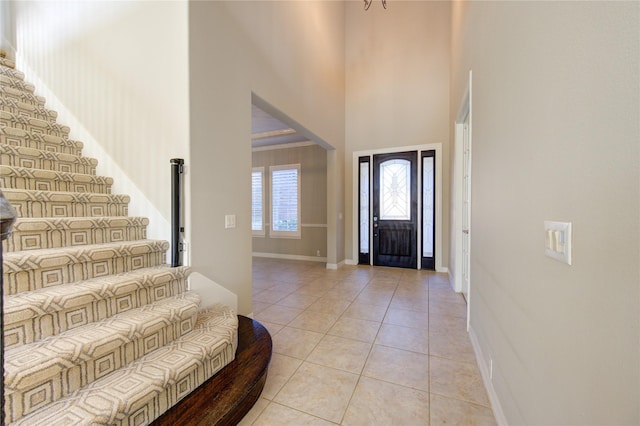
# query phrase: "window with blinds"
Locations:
[[257, 201], [285, 201]]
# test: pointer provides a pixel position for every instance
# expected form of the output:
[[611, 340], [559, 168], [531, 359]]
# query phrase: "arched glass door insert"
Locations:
[[395, 209]]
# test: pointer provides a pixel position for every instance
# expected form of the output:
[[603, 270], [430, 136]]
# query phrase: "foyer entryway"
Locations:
[[398, 208]]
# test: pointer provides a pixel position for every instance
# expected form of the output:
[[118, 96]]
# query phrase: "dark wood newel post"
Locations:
[[177, 227]]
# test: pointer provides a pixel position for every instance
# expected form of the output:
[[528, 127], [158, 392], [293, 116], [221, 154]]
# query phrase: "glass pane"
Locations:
[[427, 206], [284, 199], [395, 190], [364, 208], [256, 201]]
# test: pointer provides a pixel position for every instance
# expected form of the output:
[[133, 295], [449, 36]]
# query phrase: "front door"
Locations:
[[395, 210]]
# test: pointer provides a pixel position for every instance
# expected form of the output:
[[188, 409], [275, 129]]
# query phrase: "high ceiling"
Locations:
[[267, 130]]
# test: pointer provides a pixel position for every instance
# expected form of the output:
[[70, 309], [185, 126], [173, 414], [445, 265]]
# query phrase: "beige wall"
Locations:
[[116, 73], [291, 55], [555, 137], [313, 201], [397, 81]]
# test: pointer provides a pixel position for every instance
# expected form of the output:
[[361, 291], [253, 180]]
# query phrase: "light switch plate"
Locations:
[[558, 240], [230, 221]]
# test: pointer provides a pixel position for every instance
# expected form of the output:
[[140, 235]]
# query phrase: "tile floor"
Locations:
[[364, 346]]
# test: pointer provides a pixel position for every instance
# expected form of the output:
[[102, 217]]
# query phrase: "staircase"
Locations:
[[97, 328]]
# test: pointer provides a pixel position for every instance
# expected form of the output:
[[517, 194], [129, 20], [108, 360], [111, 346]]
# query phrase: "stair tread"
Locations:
[[13, 132], [35, 233], [16, 83], [23, 260], [37, 362], [17, 121], [22, 108], [53, 158], [78, 197], [23, 306], [27, 172], [11, 92], [8, 63], [45, 223], [11, 72], [132, 389]]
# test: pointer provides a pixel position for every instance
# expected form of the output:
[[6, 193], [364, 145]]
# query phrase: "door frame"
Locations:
[[437, 147], [465, 110]]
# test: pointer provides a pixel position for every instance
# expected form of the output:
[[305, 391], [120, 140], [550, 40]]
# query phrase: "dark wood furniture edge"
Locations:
[[228, 396]]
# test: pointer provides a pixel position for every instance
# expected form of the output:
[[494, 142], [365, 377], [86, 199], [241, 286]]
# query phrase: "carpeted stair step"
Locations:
[[35, 269], [49, 180], [6, 62], [20, 137], [32, 124], [21, 95], [27, 110], [141, 391], [11, 72], [16, 83], [42, 372], [35, 315], [19, 156], [48, 233], [29, 203]]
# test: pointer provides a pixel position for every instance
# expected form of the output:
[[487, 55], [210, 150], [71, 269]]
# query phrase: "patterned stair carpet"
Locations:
[[97, 328]]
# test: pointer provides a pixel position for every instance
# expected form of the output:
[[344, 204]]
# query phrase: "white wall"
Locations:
[[291, 55], [397, 85], [556, 107], [117, 73]]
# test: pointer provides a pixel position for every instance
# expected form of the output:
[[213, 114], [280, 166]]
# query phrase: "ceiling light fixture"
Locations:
[[367, 4]]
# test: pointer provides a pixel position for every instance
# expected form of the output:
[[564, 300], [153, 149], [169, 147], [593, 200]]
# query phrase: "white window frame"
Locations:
[[258, 232], [297, 234]]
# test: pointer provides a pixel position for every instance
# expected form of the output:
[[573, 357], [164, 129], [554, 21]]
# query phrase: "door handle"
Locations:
[[465, 231]]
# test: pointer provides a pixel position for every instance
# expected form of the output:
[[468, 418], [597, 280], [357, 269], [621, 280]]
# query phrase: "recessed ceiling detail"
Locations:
[[267, 130]]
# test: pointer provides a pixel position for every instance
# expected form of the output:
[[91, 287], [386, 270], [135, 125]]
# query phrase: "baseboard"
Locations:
[[335, 266], [350, 262], [289, 257], [498, 413]]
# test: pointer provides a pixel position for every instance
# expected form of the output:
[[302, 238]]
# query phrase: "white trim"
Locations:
[[297, 234], [289, 257], [259, 232], [350, 262], [498, 412], [283, 146], [314, 225], [335, 266], [437, 147]]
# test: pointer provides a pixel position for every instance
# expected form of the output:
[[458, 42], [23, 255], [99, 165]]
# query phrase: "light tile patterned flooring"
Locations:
[[364, 346]]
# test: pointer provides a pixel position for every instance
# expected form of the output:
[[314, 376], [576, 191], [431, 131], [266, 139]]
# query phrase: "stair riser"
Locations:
[[22, 96], [67, 207], [16, 83], [18, 137], [78, 376], [72, 270], [34, 125], [22, 109], [56, 235], [17, 156], [47, 324]]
